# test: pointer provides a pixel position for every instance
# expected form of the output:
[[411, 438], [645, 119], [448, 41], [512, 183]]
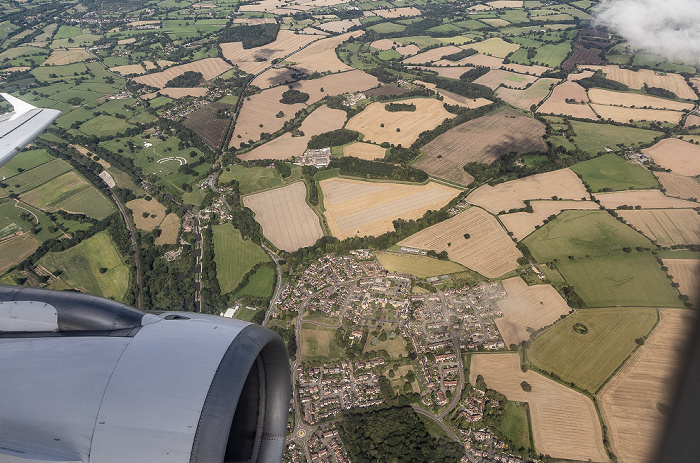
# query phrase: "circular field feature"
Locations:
[[580, 328]]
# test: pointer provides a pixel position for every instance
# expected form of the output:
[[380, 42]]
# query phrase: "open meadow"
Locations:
[[527, 309], [631, 403], [647, 199], [318, 341], [260, 284], [588, 346], [286, 219], [418, 266], [256, 179], [234, 256], [564, 422], [487, 250], [681, 157], [686, 272], [679, 186], [522, 224], [595, 137], [614, 172], [666, 226]]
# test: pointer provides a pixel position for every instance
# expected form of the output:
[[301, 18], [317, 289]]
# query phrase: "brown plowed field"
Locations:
[[209, 67], [169, 228], [556, 103], [686, 272], [497, 77], [385, 90], [680, 156], [321, 57], [679, 186], [632, 79], [285, 217], [582, 55], [429, 113], [563, 183], [489, 250], [357, 208], [524, 99], [648, 199], [564, 422], [626, 115], [666, 226], [286, 42], [608, 97], [484, 140], [434, 54], [364, 151], [527, 307], [629, 402], [522, 224], [320, 121], [205, 123]]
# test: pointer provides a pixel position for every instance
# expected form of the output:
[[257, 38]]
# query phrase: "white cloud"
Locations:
[[670, 28]]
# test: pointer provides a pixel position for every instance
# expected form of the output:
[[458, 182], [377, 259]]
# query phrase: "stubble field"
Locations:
[[637, 79], [418, 266], [680, 156], [364, 151], [209, 67], [609, 97], [648, 199], [686, 272], [557, 104], [666, 226], [154, 209], [521, 224], [497, 77], [254, 60], [679, 186], [320, 56], [625, 115]]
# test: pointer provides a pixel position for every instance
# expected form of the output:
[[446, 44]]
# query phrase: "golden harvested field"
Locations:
[[483, 60], [453, 98], [495, 46], [608, 97], [286, 219], [400, 127], [451, 72], [666, 226], [525, 69], [273, 77], [629, 402], [154, 209], [336, 84], [524, 99], [209, 67], [321, 57], [556, 103], [254, 21], [648, 199], [434, 54], [71, 55], [564, 422], [286, 42], [173, 92], [495, 22], [387, 44], [339, 26], [169, 228], [320, 121], [563, 183], [523, 223], [497, 77], [680, 156], [484, 140], [364, 151], [489, 250], [128, 69], [686, 272], [126, 41], [527, 307], [635, 114], [357, 208], [679, 186], [496, 4], [632, 79], [397, 12], [692, 121]]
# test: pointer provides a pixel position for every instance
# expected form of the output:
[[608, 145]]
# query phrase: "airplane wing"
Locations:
[[21, 126]]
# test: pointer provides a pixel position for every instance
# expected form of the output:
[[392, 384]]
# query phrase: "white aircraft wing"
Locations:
[[21, 126]]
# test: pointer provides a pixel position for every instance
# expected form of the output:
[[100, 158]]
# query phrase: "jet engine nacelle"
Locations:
[[87, 379]]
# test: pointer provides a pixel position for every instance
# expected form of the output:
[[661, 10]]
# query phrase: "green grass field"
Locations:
[[234, 256], [624, 280], [11, 216], [65, 32], [589, 359], [593, 138], [317, 341], [514, 424], [104, 125], [387, 55], [384, 28], [418, 266], [32, 178], [613, 172], [255, 179], [260, 284], [580, 234], [81, 266], [25, 160]]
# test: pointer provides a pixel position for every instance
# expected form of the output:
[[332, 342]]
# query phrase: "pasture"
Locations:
[[498, 77], [358, 208], [494, 46], [681, 157], [256, 179], [527, 309], [418, 266], [564, 422], [685, 273], [594, 138], [666, 226], [286, 219], [647, 199], [524, 99], [318, 341], [614, 172], [32, 178], [620, 280], [589, 358], [234, 256], [15, 250], [679, 186], [488, 250], [25, 160], [522, 224], [630, 402], [259, 285]]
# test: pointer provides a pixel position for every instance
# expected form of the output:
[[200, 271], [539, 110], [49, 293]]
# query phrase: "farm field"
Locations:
[[255, 179], [68, 56], [323, 119], [127, 69], [358, 208], [685, 272], [562, 183], [522, 224], [666, 226], [678, 185], [35, 177], [588, 359], [614, 172], [451, 72], [155, 213], [205, 123], [434, 54], [259, 285], [250, 60], [169, 227], [631, 100], [484, 140], [453, 98], [629, 403], [209, 67], [319, 341], [557, 104], [524, 99], [623, 280], [81, 267], [625, 115], [580, 234], [488, 250], [25, 160], [418, 266], [648, 199], [400, 127], [681, 157], [494, 46], [527, 309], [497, 77], [14, 250], [234, 256], [273, 77], [177, 92], [320, 56], [564, 422], [636, 79], [366, 151], [594, 138], [287, 220]]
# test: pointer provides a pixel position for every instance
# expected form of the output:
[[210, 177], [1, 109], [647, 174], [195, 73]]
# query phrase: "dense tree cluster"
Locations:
[[660, 92], [250, 36], [396, 107], [598, 80], [355, 167], [460, 55], [186, 79], [474, 74], [293, 96], [333, 138]]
